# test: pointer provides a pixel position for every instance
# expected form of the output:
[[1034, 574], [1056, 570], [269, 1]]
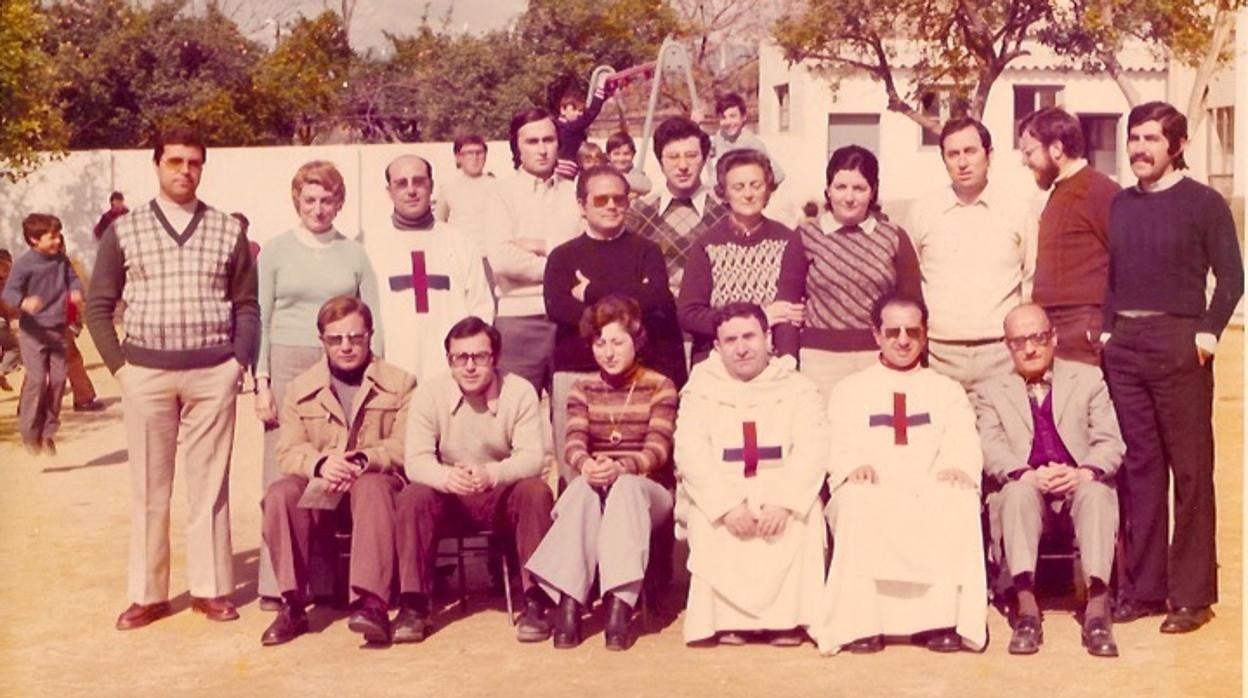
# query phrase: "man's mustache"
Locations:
[[1142, 157]]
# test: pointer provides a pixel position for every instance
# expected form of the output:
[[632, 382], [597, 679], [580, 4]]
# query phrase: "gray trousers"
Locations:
[[10, 356], [286, 363], [39, 408], [611, 536], [1017, 516], [528, 349]]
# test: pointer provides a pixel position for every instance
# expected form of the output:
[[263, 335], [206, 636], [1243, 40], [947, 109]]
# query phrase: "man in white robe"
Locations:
[[750, 454], [904, 471], [429, 272]]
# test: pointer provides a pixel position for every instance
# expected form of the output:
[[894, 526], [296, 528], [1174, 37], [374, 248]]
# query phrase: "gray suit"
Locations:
[[1088, 427]]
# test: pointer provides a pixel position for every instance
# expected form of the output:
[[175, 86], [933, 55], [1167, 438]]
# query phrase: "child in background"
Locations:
[[589, 155], [732, 135], [10, 358], [41, 285], [620, 151], [573, 124]]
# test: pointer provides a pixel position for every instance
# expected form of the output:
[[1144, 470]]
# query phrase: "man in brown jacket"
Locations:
[[342, 433]]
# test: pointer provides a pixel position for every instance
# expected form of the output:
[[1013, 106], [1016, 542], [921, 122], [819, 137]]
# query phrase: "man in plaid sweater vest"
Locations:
[[191, 323], [675, 216]]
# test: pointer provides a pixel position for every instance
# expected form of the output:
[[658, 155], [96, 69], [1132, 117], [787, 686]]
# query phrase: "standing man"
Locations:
[[1165, 235], [1072, 255], [430, 275], [116, 209], [463, 200], [535, 212], [188, 280], [976, 251], [682, 209]]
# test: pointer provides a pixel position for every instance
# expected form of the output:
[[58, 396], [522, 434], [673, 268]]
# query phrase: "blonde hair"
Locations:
[[320, 172]]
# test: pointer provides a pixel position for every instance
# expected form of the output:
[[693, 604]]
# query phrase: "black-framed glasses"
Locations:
[[355, 339], [478, 358], [1038, 338], [894, 333]]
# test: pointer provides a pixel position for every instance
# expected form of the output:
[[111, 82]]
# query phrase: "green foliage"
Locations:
[[300, 86], [30, 122]]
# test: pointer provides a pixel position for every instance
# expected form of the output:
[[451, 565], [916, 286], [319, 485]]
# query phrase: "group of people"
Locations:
[[855, 385]]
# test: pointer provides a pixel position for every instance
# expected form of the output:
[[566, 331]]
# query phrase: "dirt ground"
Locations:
[[63, 537]]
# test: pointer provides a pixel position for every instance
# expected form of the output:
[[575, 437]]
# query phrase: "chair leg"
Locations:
[[511, 615], [463, 584]]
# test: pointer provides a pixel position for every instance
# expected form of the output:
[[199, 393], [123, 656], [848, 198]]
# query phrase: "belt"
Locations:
[[968, 342]]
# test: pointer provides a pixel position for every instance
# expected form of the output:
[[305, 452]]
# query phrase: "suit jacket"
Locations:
[[1081, 408]]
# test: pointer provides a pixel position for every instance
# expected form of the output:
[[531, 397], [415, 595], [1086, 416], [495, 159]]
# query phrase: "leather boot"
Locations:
[[619, 633], [567, 623]]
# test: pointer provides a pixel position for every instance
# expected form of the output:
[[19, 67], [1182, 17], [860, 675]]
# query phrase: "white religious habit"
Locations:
[[758, 442], [428, 280], [907, 553]]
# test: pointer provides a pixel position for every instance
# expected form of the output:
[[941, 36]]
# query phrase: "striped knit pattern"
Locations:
[[674, 230], [177, 289], [847, 273], [748, 273], [645, 423]]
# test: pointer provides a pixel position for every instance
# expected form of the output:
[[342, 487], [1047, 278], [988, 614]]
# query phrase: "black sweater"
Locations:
[[1162, 246]]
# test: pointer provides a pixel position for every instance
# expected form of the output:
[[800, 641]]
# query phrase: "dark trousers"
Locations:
[[521, 508], [76, 370], [39, 407], [1164, 400], [1074, 325], [289, 530]]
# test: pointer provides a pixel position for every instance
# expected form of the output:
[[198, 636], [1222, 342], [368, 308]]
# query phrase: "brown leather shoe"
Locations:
[[139, 615], [218, 609]]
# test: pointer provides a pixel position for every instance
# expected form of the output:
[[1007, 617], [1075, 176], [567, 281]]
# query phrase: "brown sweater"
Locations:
[[1072, 259]]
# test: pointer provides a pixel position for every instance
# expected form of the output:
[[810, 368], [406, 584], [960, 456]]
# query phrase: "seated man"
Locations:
[[474, 454], [750, 449], [342, 432], [1051, 442], [904, 473]]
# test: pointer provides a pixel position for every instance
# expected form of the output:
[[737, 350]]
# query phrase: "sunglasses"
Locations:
[[895, 333], [355, 339], [601, 200]]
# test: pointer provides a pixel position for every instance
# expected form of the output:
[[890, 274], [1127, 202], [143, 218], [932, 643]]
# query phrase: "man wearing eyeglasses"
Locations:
[[904, 471], [430, 272], [341, 453], [474, 455], [462, 201], [1052, 446], [607, 259]]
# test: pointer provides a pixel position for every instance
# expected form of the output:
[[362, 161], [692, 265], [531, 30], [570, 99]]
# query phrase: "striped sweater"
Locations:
[[644, 422], [848, 271]]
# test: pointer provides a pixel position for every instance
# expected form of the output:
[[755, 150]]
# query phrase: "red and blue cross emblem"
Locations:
[[420, 282], [899, 420], [750, 452]]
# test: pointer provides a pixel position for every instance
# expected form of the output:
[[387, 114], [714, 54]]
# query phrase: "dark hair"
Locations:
[[243, 220], [619, 139], [519, 121], [36, 224], [740, 158], [573, 98], [860, 160], [472, 326], [179, 135], [338, 307], [1173, 127], [728, 101], [468, 139], [614, 308], [961, 123], [428, 167], [1055, 125], [582, 182], [116, 196], [877, 308], [741, 309], [678, 128]]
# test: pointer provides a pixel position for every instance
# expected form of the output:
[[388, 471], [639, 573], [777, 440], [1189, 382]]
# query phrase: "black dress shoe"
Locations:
[[945, 641], [91, 405], [567, 631], [1185, 619], [271, 603], [619, 633], [371, 622], [866, 645], [1128, 610], [1098, 637], [290, 623], [410, 625], [1028, 635], [533, 625]]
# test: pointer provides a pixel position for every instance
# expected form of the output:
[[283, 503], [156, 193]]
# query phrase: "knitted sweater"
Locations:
[[725, 267], [190, 295], [849, 270], [1162, 246], [639, 408], [51, 279], [673, 227], [1072, 257]]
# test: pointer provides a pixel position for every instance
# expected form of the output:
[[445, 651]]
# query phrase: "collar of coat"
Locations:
[[314, 384]]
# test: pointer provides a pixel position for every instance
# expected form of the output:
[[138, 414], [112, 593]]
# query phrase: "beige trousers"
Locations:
[[186, 417]]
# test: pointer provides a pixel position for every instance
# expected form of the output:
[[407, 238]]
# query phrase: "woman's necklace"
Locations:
[[616, 437]]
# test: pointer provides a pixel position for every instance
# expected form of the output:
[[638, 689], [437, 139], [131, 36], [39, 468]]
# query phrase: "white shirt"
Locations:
[[466, 200], [178, 215]]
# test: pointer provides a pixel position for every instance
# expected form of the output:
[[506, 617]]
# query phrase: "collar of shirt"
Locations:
[[828, 223], [985, 199], [1075, 167], [457, 397], [698, 198], [1167, 180], [536, 183], [169, 205]]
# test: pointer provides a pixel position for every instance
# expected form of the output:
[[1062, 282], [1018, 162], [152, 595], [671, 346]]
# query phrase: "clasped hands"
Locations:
[[464, 479], [341, 470], [950, 476], [742, 523], [602, 471], [1057, 479]]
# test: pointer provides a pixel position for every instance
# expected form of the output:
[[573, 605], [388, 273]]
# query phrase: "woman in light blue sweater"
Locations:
[[299, 270]]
